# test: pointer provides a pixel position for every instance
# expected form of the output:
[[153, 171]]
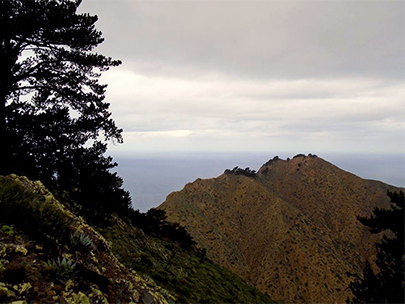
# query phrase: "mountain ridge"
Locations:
[[291, 229]]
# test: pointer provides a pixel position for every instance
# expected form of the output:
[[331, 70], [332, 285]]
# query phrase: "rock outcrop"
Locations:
[[291, 229]]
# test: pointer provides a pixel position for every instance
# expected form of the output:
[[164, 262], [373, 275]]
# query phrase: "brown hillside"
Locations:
[[292, 230]]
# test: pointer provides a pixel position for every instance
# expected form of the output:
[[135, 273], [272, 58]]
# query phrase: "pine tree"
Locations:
[[54, 122], [387, 284]]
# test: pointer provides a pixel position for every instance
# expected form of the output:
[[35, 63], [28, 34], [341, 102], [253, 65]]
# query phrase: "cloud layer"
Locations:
[[256, 75]]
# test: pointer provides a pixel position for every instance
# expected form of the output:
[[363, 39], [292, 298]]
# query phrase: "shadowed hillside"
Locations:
[[49, 254], [291, 229]]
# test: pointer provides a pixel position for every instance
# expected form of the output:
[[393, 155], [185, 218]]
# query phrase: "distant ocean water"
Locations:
[[150, 178]]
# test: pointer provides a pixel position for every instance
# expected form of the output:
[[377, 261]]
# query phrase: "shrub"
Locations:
[[154, 222], [239, 171], [7, 230]]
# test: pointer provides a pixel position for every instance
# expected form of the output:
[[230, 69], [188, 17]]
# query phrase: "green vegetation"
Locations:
[[54, 121], [386, 285], [56, 247], [154, 222], [7, 230], [61, 268], [184, 272], [54, 127], [81, 241], [54, 256]]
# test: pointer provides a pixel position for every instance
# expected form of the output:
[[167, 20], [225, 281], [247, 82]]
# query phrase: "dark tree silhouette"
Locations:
[[155, 223], [54, 122], [387, 284], [239, 171]]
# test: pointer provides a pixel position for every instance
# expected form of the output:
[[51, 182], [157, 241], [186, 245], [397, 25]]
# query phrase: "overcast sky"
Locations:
[[300, 76]]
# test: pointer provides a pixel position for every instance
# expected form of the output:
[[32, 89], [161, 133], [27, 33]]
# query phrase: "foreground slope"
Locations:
[[185, 273], [291, 230], [48, 254]]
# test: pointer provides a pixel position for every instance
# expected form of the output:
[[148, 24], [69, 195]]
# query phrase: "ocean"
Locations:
[[150, 178]]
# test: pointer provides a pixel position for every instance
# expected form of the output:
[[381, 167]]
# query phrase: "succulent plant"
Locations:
[[81, 241], [62, 267]]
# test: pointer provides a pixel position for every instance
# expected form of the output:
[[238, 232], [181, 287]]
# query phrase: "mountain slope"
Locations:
[[190, 277], [291, 230], [49, 254]]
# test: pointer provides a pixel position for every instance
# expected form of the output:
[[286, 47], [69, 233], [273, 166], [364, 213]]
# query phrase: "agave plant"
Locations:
[[81, 241], [62, 267]]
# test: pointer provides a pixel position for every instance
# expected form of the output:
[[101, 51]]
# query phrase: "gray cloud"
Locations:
[[255, 75], [249, 39]]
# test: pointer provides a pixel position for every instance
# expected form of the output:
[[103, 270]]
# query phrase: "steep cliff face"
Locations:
[[291, 230]]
